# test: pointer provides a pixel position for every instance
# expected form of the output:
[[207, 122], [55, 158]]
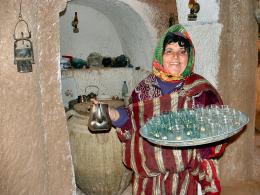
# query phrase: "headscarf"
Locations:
[[158, 69]]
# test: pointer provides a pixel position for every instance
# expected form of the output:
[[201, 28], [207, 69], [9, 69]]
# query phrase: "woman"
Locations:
[[171, 86]]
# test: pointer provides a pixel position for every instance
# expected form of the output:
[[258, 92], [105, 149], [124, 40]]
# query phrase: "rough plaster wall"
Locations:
[[237, 79], [205, 33], [96, 33], [161, 11], [60, 173], [35, 155], [206, 41], [258, 90]]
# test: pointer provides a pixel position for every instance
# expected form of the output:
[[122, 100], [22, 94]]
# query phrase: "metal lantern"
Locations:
[[194, 9], [23, 50]]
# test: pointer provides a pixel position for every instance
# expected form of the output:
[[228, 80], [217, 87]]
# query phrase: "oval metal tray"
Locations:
[[194, 126]]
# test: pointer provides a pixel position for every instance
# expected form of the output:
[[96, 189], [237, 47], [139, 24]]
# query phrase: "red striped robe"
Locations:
[[166, 170]]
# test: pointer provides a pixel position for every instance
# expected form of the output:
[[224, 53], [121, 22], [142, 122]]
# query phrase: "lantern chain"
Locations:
[[20, 17]]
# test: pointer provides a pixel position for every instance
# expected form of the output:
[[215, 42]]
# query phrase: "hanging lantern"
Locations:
[[194, 9], [23, 50]]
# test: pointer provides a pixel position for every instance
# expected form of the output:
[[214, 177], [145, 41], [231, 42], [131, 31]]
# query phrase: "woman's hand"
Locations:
[[113, 113]]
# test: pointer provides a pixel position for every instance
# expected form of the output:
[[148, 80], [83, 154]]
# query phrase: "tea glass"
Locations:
[[176, 132]]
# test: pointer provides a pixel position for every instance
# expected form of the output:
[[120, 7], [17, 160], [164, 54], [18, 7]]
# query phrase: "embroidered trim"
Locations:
[[195, 83], [193, 99], [148, 88]]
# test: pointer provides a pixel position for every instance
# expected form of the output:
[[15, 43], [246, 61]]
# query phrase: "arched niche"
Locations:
[[132, 33]]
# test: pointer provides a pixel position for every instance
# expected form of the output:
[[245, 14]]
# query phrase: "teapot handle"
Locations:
[[93, 86]]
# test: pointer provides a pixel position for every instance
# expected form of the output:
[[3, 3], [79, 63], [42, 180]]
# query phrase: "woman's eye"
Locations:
[[183, 51], [168, 52]]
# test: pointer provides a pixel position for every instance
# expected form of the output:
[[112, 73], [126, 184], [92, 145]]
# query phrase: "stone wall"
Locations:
[[237, 79], [34, 147], [258, 90]]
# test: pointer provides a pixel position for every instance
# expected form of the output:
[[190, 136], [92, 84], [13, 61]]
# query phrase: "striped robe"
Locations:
[[160, 170]]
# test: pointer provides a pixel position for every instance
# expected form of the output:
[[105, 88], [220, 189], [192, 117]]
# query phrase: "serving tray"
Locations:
[[192, 127]]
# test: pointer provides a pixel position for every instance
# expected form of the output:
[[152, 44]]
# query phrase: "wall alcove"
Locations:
[[111, 28]]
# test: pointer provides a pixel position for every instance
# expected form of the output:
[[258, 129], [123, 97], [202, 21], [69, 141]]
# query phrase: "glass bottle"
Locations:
[[75, 23], [124, 90]]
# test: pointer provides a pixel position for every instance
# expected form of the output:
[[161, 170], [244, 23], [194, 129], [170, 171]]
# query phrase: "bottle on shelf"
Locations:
[[125, 93], [75, 23], [124, 90]]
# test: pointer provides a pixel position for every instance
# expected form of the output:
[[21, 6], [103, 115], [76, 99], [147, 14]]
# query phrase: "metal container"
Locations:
[[99, 119]]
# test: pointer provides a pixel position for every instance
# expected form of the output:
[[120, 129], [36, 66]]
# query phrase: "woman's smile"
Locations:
[[174, 63]]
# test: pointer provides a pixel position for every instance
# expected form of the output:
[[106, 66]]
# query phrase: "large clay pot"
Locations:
[[97, 158]]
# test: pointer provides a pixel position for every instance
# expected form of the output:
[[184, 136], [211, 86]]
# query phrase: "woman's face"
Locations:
[[175, 58]]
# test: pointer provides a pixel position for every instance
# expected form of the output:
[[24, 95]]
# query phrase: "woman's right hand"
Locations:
[[113, 113]]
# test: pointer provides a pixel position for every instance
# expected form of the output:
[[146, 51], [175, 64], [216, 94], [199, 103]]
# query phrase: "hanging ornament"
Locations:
[[23, 47], [194, 9]]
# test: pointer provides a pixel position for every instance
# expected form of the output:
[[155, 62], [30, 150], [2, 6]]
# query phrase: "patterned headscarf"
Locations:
[[158, 69]]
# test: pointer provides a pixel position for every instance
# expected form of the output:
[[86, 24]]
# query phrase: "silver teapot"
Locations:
[[99, 119]]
